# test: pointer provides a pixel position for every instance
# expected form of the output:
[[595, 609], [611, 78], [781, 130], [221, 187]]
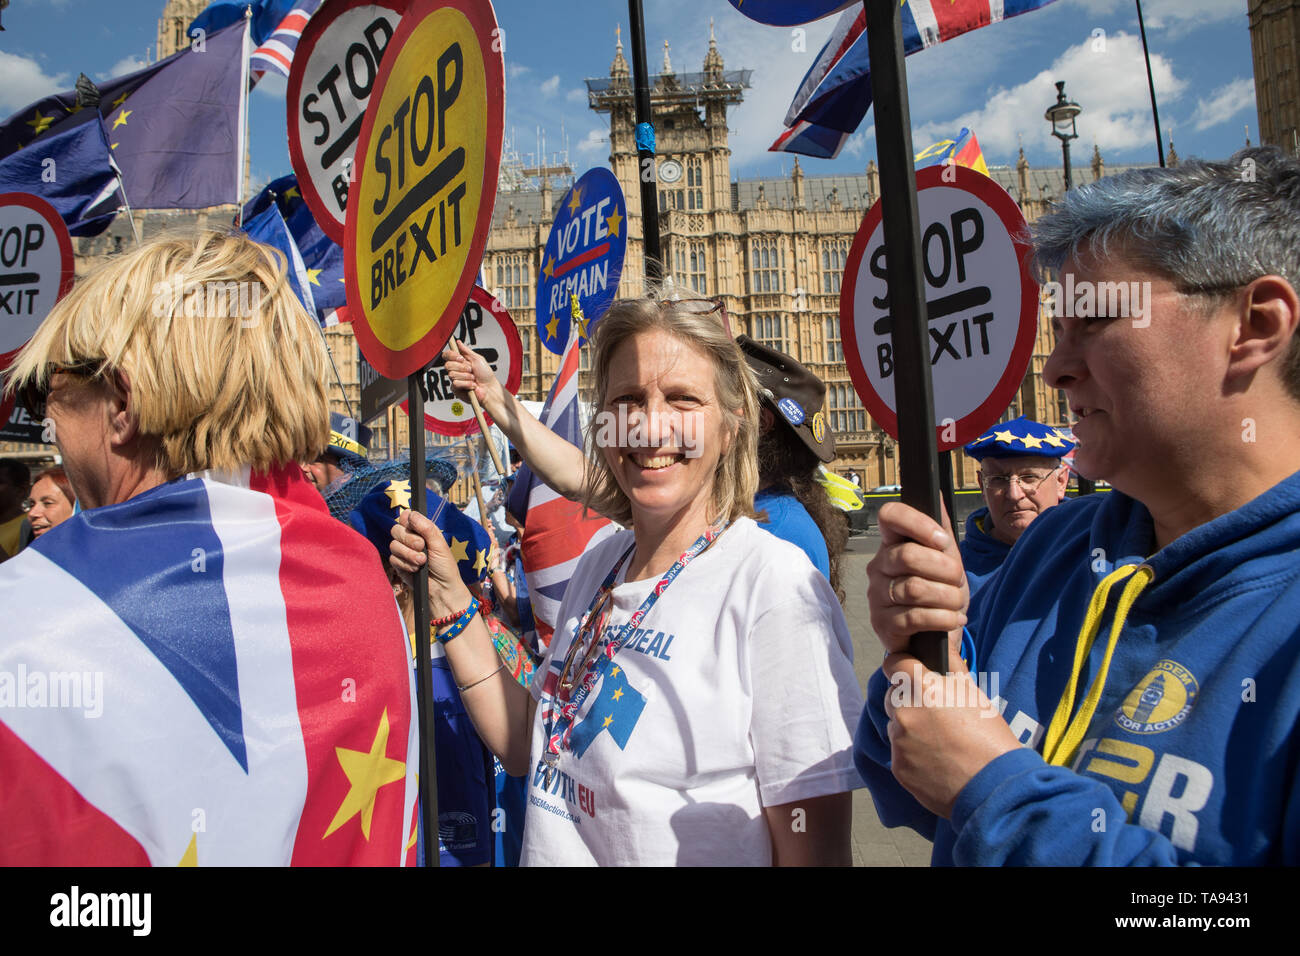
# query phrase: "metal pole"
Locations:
[[1085, 486], [913, 394], [1151, 84], [645, 148], [423, 662]]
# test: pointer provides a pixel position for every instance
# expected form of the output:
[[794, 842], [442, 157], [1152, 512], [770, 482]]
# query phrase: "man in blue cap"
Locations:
[[349, 443], [1022, 475]]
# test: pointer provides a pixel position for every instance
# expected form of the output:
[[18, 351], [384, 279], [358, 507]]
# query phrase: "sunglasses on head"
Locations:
[[33, 397], [705, 307]]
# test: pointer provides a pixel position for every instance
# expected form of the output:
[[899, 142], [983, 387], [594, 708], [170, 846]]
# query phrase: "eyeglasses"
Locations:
[[33, 397], [1028, 481], [705, 307]]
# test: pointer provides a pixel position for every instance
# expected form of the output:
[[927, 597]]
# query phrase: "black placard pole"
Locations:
[[645, 150], [913, 394], [423, 662]]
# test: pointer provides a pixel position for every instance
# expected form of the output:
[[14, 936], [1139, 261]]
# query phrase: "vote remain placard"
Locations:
[[980, 296]]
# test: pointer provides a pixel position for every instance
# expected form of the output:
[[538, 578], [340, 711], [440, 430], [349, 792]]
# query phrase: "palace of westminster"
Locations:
[[773, 249]]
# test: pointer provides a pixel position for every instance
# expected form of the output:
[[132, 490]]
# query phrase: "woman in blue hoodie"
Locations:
[[1141, 649]]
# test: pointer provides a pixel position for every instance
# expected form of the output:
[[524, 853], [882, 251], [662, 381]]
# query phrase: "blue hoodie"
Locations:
[[981, 553], [1193, 753]]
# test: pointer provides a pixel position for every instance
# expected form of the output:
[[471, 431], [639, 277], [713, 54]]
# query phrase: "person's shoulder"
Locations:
[[773, 568]]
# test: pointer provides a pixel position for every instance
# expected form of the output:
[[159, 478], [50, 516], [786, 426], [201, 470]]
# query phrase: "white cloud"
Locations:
[[1184, 16], [1108, 86], [578, 95], [272, 85], [516, 70], [549, 87], [595, 141], [128, 64], [1225, 103], [25, 80]]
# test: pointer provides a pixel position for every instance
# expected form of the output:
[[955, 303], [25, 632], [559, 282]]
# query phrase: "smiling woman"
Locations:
[[694, 705]]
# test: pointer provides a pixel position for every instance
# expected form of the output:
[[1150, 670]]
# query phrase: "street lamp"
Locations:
[[1061, 115]]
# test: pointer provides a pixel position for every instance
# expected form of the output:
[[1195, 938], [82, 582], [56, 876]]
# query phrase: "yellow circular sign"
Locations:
[[428, 158]]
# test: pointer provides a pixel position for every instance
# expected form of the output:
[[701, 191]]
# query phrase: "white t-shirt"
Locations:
[[736, 693]]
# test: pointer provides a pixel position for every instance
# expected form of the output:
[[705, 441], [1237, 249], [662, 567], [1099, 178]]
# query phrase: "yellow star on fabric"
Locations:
[[39, 123], [366, 773], [548, 270], [614, 672], [552, 327], [121, 118], [582, 329], [575, 200], [399, 493], [480, 562], [617, 694], [120, 100], [1003, 436], [615, 223], [1053, 439], [1032, 442], [292, 193], [609, 719], [459, 549], [313, 276], [115, 146]]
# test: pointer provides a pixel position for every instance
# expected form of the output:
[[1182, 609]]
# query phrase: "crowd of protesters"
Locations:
[[697, 702]]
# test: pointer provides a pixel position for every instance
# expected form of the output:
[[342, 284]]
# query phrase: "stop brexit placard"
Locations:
[[981, 300]]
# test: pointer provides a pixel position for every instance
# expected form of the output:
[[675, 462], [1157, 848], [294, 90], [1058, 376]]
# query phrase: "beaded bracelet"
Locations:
[[462, 622], [444, 621]]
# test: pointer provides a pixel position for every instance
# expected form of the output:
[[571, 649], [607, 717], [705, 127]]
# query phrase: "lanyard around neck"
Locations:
[[603, 643]]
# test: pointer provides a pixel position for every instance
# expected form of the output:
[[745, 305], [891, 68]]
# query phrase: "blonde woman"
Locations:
[[241, 651], [696, 702]]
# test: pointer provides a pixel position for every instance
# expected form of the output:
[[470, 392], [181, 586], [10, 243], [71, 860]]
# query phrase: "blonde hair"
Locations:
[[226, 368], [736, 480]]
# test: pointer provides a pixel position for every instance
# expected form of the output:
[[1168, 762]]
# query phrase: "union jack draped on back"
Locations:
[[276, 54], [212, 672], [555, 532]]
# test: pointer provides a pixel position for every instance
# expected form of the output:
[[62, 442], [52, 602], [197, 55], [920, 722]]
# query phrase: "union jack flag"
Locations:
[[213, 672], [835, 93], [276, 54], [555, 532]]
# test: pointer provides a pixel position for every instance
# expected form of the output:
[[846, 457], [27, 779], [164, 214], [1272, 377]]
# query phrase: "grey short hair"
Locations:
[[1201, 224], [1208, 227]]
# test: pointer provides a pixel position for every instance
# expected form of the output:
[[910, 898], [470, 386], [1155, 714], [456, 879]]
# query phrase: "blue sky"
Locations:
[[997, 80]]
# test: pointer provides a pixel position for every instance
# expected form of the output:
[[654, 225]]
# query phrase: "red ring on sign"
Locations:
[[320, 22], [974, 424], [513, 377], [66, 274]]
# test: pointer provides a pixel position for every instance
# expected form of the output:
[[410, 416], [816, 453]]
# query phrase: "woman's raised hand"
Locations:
[[468, 371]]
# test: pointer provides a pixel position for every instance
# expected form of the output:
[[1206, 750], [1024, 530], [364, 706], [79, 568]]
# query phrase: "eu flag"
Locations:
[[322, 257], [173, 127], [72, 171], [616, 709]]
